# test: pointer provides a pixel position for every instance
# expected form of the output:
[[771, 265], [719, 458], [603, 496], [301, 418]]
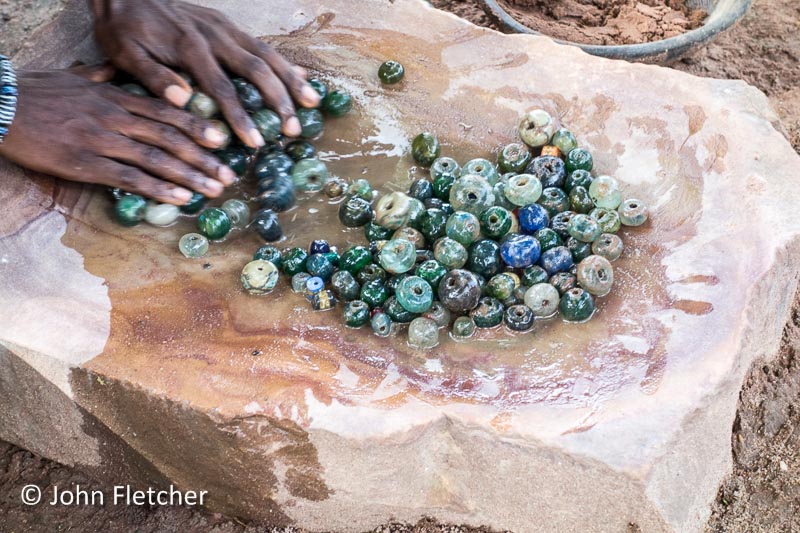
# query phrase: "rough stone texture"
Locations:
[[626, 420]]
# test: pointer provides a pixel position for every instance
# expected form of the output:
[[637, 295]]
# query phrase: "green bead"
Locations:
[[425, 148], [514, 158], [356, 314], [423, 333], [237, 211], [608, 219], [393, 282], [554, 200], [523, 189], [398, 256], [374, 232], [345, 286], [577, 305], [579, 200], [534, 274], [484, 258], [259, 277], [355, 212], [354, 259], [579, 159], [445, 166], [203, 106], [542, 299], [381, 324], [605, 192], [547, 239], [483, 168], [268, 124], [499, 191], [433, 224], [337, 103], [579, 250], [564, 140], [320, 87], [632, 212], [311, 123], [161, 214], [489, 313], [391, 72], [361, 188], [431, 271], [294, 261], [371, 272], [471, 193], [583, 228], [414, 294], [373, 293], [501, 286], [193, 245], [235, 158], [130, 209], [300, 281], [299, 150], [397, 312], [310, 175], [536, 128], [497, 222], [269, 253], [596, 275], [578, 178], [391, 211], [463, 328], [416, 209], [214, 223], [442, 185], [463, 227], [609, 246], [450, 253]]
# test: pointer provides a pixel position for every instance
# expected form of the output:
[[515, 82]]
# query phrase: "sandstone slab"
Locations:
[[282, 415]]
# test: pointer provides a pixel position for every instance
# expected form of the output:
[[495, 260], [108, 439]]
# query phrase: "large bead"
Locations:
[[459, 291], [609, 246], [195, 204], [355, 212], [514, 158], [596, 275], [193, 245], [554, 200], [577, 178], [398, 256], [345, 286], [311, 123], [237, 211], [536, 128], [579, 250], [249, 95], [532, 218], [421, 189], [501, 286], [371, 272], [583, 228], [471, 193], [497, 222], [267, 225], [279, 197], [560, 224], [268, 124], [608, 219], [294, 261], [425, 148], [463, 227], [161, 214], [577, 305], [542, 299], [563, 281], [481, 167], [320, 87], [300, 282], [523, 189], [397, 312], [356, 314], [431, 271], [433, 224], [533, 275], [319, 265], [337, 103], [565, 141], [130, 209], [450, 253], [214, 223], [423, 333], [579, 200], [605, 192], [414, 294], [488, 314], [548, 239], [310, 175], [484, 258], [549, 169], [259, 277], [520, 251], [374, 293], [445, 167], [354, 259], [519, 318], [632, 212], [391, 211]]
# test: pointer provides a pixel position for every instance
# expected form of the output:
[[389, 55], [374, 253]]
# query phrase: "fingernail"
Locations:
[[309, 95], [293, 127], [177, 95], [182, 195], [214, 135], [213, 186], [256, 139], [226, 175]]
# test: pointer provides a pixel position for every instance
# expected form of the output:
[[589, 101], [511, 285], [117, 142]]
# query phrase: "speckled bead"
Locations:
[[374, 232], [520, 251], [412, 235], [501, 286], [532, 218], [463, 227], [423, 333], [549, 169], [416, 209], [355, 212], [577, 305], [497, 222], [259, 277], [596, 275], [450, 253], [268, 124], [554, 200], [320, 266], [391, 211], [391, 72], [130, 210], [542, 299], [300, 282], [356, 314], [431, 271], [488, 313], [279, 196], [266, 224], [459, 291], [371, 272], [608, 219], [249, 95], [481, 167], [269, 253], [203, 106], [484, 258], [421, 189], [270, 165], [397, 312], [519, 318], [560, 224], [514, 158], [441, 186], [398, 256], [237, 211], [605, 192], [414, 294], [471, 193], [579, 159], [354, 259], [433, 224], [565, 141], [323, 301], [632, 212], [294, 261], [609, 246], [579, 250], [439, 314], [337, 103], [548, 239], [426, 149], [320, 87], [576, 178], [345, 286], [193, 245], [374, 293], [523, 189], [580, 201], [381, 324], [533, 275], [583, 228], [161, 215], [536, 128], [558, 259], [214, 223]]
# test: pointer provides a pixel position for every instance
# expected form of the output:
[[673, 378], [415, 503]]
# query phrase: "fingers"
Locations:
[[114, 174], [156, 77], [101, 73]]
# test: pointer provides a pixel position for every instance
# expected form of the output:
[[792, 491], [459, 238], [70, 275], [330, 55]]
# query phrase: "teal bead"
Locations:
[[416, 209], [450, 253], [564, 140], [577, 305], [554, 200], [536, 128], [268, 124], [481, 167], [439, 314], [463, 227], [414, 294], [596, 275], [579, 200], [130, 209], [441, 186], [354, 259], [237, 211], [294, 261], [374, 232], [381, 324], [583, 228], [579, 250], [356, 314], [423, 333], [412, 235], [608, 219], [203, 106], [310, 175], [320, 266], [578, 178], [609, 246], [426, 149], [548, 239], [605, 192], [397, 312], [332, 256], [484, 258], [579, 159], [391, 211], [320, 87], [497, 222], [534, 274], [431, 271], [193, 245], [269, 253], [463, 328], [514, 158], [311, 122], [214, 223], [433, 224], [471, 193], [361, 188], [542, 299], [391, 72], [398, 256], [259, 277], [523, 189], [371, 272], [355, 212], [501, 286], [337, 103], [300, 282], [489, 313], [235, 158], [374, 293], [161, 215], [445, 167], [632, 212]]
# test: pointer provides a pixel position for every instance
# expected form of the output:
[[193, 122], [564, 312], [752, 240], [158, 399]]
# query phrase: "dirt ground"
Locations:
[[763, 492]]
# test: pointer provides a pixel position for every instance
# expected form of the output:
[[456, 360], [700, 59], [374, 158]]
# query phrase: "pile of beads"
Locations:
[[282, 169]]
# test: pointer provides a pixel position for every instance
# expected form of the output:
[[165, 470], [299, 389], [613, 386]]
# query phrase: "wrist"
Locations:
[[8, 96]]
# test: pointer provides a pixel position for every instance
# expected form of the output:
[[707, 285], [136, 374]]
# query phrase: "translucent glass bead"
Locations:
[[463, 227], [345, 286], [450, 253], [579, 250], [497, 222], [310, 175], [381, 324], [130, 209], [609, 246], [337, 103], [433, 224], [269, 253], [300, 282], [577, 305], [608, 219], [565, 141], [499, 190], [426, 149], [549, 169], [414, 294], [542, 299], [214, 223], [536, 128], [519, 318], [459, 291], [421, 189], [605, 192], [416, 209], [520, 251], [259, 277], [548, 239], [489, 313], [632, 212], [445, 167], [354, 259], [484, 258], [356, 314], [439, 314], [314, 284], [583, 228], [463, 328], [374, 232], [532, 218], [413, 236], [397, 312], [514, 158], [481, 167], [471, 193], [596, 275], [398, 256], [523, 189], [161, 214], [423, 333], [391, 211], [193, 245], [237, 211]]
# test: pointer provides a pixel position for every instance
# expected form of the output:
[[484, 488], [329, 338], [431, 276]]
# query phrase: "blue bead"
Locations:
[[520, 251], [314, 285], [532, 218], [319, 246], [558, 259], [8, 90]]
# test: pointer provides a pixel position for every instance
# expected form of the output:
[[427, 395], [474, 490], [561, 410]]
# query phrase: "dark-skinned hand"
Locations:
[[69, 125], [148, 38]]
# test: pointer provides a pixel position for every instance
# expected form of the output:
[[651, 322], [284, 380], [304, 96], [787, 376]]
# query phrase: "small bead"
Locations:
[[335, 187], [300, 282], [320, 87], [560, 224], [311, 122], [214, 223], [414, 294], [161, 214], [391, 211], [520, 251], [548, 239], [319, 265], [501, 286], [445, 167], [523, 189], [441, 187], [519, 318], [577, 178], [489, 313], [608, 219], [497, 222], [542, 299], [514, 158], [450, 253], [193, 245], [554, 200], [294, 261], [632, 212], [459, 291], [583, 228], [391, 72], [565, 141], [533, 275], [596, 275], [549, 169], [203, 106], [472, 193], [426, 149], [323, 301], [536, 128], [558, 259], [345, 286], [609, 246], [130, 209], [354, 259], [423, 333], [580, 201], [398, 256], [266, 224], [259, 277], [356, 314], [268, 123], [319, 246], [361, 188], [337, 103], [381, 324], [397, 312], [439, 314], [484, 258], [431, 271], [314, 284], [269, 253], [532, 218], [433, 224], [463, 227], [577, 305], [579, 159], [237, 211], [463, 328], [355, 212], [481, 167], [605, 192], [413, 236], [421, 189]]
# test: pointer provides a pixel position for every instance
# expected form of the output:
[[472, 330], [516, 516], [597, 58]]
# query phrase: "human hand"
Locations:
[[147, 37], [69, 125]]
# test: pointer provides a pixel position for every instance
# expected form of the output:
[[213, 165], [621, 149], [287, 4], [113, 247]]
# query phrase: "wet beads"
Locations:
[[269, 253], [450, 253], [161, 214], [259, 277], [565, 141], [583, 228], [608, 219], [130, 209], [497, 222], [214, 223], [579, 159], [463, 227], [414, 294], [268, 124], [523, 189], [532, 218], [609, 246], [471, 193], [558, 259], [423, 333], [398, 256], [481, 167], [355, 212], [605, 192], [514, 158], [310, 175], [381, 324], [294, 261], [356, 314], [323, 301], [345, 286], [266, 224], [431, 271], [577, 305], [543, 299], [425, 148], [549, 170], [193, 245], [520, 251], [374, 293], [337, 103], [300, 282], [459, 291], [488, 313], [237, 211], [519, 318], [391, 211], [311, 122], [463, 328]]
